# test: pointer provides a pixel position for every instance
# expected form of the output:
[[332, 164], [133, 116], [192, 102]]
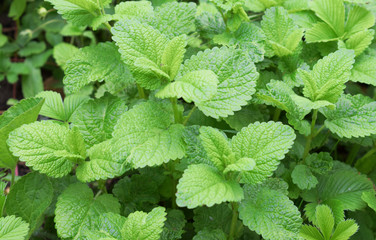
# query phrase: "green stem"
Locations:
[[352, 154], [177, 115], [234, 220], [102, 185], [277, 113], [13, 172], [189, 115], [141, 92], [311, 135], [318, 131], [108, 26]]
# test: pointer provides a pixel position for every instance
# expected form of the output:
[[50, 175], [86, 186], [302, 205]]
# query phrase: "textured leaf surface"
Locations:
[[370, 199], [29, 198], [267, 144], [214, 234], [325, 220], [282, 34], [174, 225], [175, 18], [303, 177], [270, 213], [47, 147], [327, 79], [96, 118], [134, 10], [102, 165], [26, 111], [354, 116], [75, 207], [197, 86], [332, 13], [358, 19], [95, 63], [147, 134], [173, 55], [364, 70], [360, 41], [13, 228], [236, 84], [148, 226], [106, 226], [204, 185], [211, 218]]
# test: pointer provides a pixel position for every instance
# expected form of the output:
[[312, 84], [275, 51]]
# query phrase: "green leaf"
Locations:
[[236, 85], [53, 105], [360, 41], [13, 228], [270, 213], [204, 185], [267, 144], [76, 206], [101, 62], [147, 136], [325, 220], [29, 198], [102, 165], [134, 10], [173, 55], [46, 147], [17, 8], [32, 48], [214, 234], [346, 186], [242, 165], [358, 19], [327, 79], [217, 147], [319, 163], [79, 12], [211, 218], [332, 13], [97, 118], [248, 114], [24, 112], [106, 226], [140, 225], [32, 84], [364, 70], [196, 86], [303, 177], [311, 233], [345, 230], [370, 199], [63, 52], [174, 225], [353, 116], [175, 18], [282, 34], [320, 32]]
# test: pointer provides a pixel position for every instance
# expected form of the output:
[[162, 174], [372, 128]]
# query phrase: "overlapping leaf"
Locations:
[[13, 228]]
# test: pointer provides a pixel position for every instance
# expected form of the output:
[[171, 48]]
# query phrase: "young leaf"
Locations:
[[345, 230], [46, 147], [13, 228], [267, 144], [76, 206], [204, 185], [24, 112], [327, 79], [29, 198], [96, 118], [140, 225], [270, 213], [103, 164], [282, 34], [352, 117], [236, 85], [303, 177], [101, 62], [241, 165], [311, 233], [325, 220], [173, 56], [147, 134]]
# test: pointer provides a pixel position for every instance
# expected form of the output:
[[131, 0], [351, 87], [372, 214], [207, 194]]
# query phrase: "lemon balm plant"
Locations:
[[213, 120]]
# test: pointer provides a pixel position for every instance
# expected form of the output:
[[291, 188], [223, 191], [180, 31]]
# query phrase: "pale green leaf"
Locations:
[[45, 147], [217, 147], [242, 165], [175, 18], [303, 177], [134, 10], [311, 233], [148, 136], [53, 105], [267, 144], [236, 85], [360, 41], [332, 12], [63, 52], [95, 63], [145, 226], [345, 230], [204, 185], [13, 228], [147, 73], [325, 220], [282, 34], [102, 164], [76, 206], [29, 198], [327, 79], [97, 118], [173, 55], [24, 112], [370, 199], [320, 32], [270, 213], [73, 102], [358, 19], [260, 5], [354, 116], [197, 86], [364, 70]]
